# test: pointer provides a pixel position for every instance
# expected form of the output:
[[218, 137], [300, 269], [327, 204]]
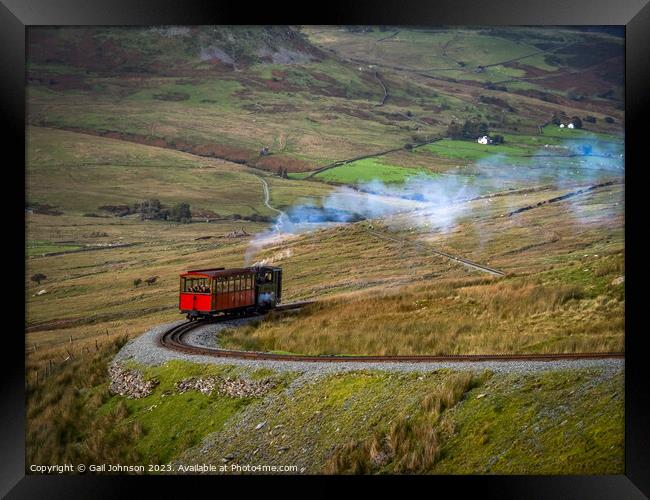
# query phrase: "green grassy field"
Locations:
[[472, 151], [369, 169]]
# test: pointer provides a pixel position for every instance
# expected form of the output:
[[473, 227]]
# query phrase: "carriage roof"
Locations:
[[222, 272]]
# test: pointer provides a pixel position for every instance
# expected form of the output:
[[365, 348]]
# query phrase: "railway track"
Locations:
[[174, 339]]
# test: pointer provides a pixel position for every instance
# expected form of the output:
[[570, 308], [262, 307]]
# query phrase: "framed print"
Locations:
[[387, 242]]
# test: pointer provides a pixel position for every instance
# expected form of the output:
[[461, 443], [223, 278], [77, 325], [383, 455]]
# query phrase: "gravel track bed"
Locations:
[[145, 349]]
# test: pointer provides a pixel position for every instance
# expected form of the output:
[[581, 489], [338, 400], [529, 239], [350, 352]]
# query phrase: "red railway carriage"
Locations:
[[207, 292]]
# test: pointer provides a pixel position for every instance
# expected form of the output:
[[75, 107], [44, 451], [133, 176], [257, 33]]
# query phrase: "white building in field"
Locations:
[[570, 125], [561, 125], [484, 140]]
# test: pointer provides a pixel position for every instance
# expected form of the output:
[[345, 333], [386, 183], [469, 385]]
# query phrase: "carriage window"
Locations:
[[231, 285], [195, 285], [237, 283], [268, 277]]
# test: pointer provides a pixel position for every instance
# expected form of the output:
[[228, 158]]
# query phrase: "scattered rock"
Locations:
[[202, 385], [231, 387], [481, 396], [260, 425], [240, 388], [130, 383], [237, 234], [42, 292], [618, 281]]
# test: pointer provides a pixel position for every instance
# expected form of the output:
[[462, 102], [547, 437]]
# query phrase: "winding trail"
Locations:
[[383, 86], [266, 201]]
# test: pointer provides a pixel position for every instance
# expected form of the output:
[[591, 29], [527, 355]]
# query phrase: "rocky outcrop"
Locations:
[[130, 383]]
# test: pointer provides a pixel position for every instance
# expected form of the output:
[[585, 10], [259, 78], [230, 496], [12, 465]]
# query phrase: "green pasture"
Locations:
[[367, 170]]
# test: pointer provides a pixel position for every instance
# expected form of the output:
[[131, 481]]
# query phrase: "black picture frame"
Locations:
[[16, 15]]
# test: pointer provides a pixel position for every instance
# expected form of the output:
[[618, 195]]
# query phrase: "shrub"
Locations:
[[151, 209], [558, 117], [136, 282], [577, 122], [38, 277], [180, 213], [471, 129], [609, 119]]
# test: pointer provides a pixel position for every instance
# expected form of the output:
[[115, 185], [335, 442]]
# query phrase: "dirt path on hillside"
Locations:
[[267, 204], [455, 258], [383, 86]]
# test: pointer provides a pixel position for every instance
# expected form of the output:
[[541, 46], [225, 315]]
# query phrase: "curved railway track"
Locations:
[[174, 339]]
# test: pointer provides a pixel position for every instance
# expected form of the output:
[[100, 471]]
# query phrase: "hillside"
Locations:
[[311, 106]]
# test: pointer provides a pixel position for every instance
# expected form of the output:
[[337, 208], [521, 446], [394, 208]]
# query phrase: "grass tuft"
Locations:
[[411, 443]]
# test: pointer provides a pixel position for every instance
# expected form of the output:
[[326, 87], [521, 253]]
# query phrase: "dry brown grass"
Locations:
[[63, 425], [409, 444], [453, 317]]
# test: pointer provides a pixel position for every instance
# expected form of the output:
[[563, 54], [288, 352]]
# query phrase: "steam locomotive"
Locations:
[[209, 292]]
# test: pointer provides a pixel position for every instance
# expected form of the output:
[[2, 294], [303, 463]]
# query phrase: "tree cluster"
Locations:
[[577, 122], [180, 213], [471, 129], [154, 210], [283, 172]]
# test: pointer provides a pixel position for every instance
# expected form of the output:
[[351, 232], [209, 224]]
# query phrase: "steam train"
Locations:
[[210, 292]]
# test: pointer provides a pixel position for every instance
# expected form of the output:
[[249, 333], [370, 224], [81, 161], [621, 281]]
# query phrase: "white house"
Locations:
[[561, 125], [571, 125], [484, 140]]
